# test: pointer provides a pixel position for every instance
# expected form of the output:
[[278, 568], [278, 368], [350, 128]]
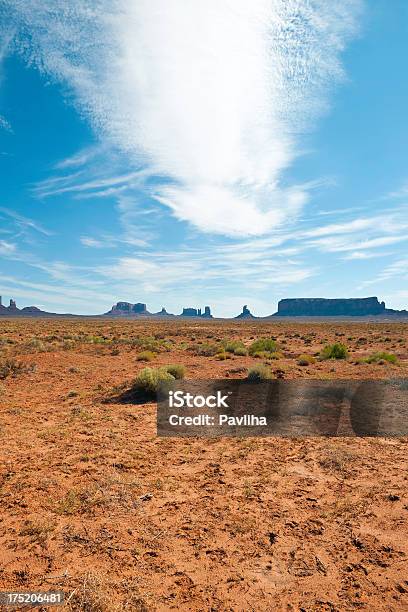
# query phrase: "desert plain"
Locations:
[[94, 503]]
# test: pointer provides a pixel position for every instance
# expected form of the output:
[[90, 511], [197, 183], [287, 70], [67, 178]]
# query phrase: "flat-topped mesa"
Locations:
[[127, 308], [323, 307], [245, 314], [196, 312]]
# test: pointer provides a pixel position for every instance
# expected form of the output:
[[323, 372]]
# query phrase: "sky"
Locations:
[[191, 153]]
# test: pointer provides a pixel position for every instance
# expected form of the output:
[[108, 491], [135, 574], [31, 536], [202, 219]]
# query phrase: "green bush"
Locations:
[[223, 355], [149, 380], [205, 350], [145, 356], [263, 345], [176, 370], [232, 346], [381, 357], [334, 351], [240, 351], [259, 373], [305, 360], [267, 355]]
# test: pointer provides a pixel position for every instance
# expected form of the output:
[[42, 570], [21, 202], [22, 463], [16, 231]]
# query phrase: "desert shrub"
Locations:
[[305, 360], [149, 343], [145, 356], [240, 351], [205, 350], [263, 345], [36, 345], [11, 367], [231, 346], [381, 357], [267, 355], [223, 355], [259, 373], [68, 344], [334, 351], [149, 380], [176, 370], [96, 340]]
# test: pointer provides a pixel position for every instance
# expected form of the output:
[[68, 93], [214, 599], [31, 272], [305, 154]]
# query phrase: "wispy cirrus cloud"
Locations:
[[7, 248], [77, 183], [23, 223], [211, 96]]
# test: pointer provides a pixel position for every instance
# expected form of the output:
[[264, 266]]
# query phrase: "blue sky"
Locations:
[[189, 153]]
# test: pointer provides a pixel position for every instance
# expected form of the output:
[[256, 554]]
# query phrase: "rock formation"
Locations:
[[28, 311], [127, 309], [196, 312], [163, 313], [245, 314], [322, 307]]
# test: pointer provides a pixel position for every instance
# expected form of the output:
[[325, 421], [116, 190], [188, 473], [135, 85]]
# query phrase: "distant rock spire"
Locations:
[[245, 314]]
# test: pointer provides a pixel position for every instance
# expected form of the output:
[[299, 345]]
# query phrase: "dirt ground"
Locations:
[[92, 502]]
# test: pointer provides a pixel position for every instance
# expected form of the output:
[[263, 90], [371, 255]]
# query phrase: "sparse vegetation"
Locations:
[[176, 370], [237, 347], [11, 367], [207, 349], [240, 352], [381, 357], [262, 346], [145, 356], [305, 360], [334, 351], [86, 482], [223, 355], [149, 380], [259, 373]]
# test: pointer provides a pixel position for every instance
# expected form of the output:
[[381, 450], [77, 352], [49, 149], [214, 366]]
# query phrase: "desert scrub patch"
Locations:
[[96, 340], [207, 349], [149, 380], [241, 352], [72, 393], [36, 345], [94, 595], [263, 345], [177, 370], [381, 357], [338, 350], [232, 346], [11, 367], [258, 373], [149, 343], [38, 532], [68, 344], [77, 502], [305, 360], [145, 356], [222, 356]]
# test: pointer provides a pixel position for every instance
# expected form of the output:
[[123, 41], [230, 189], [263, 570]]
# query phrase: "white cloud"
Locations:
[[212, 95], [396, 195], [5, 125], [70, 184], [24, 223], [7, 248], [362, 255]]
